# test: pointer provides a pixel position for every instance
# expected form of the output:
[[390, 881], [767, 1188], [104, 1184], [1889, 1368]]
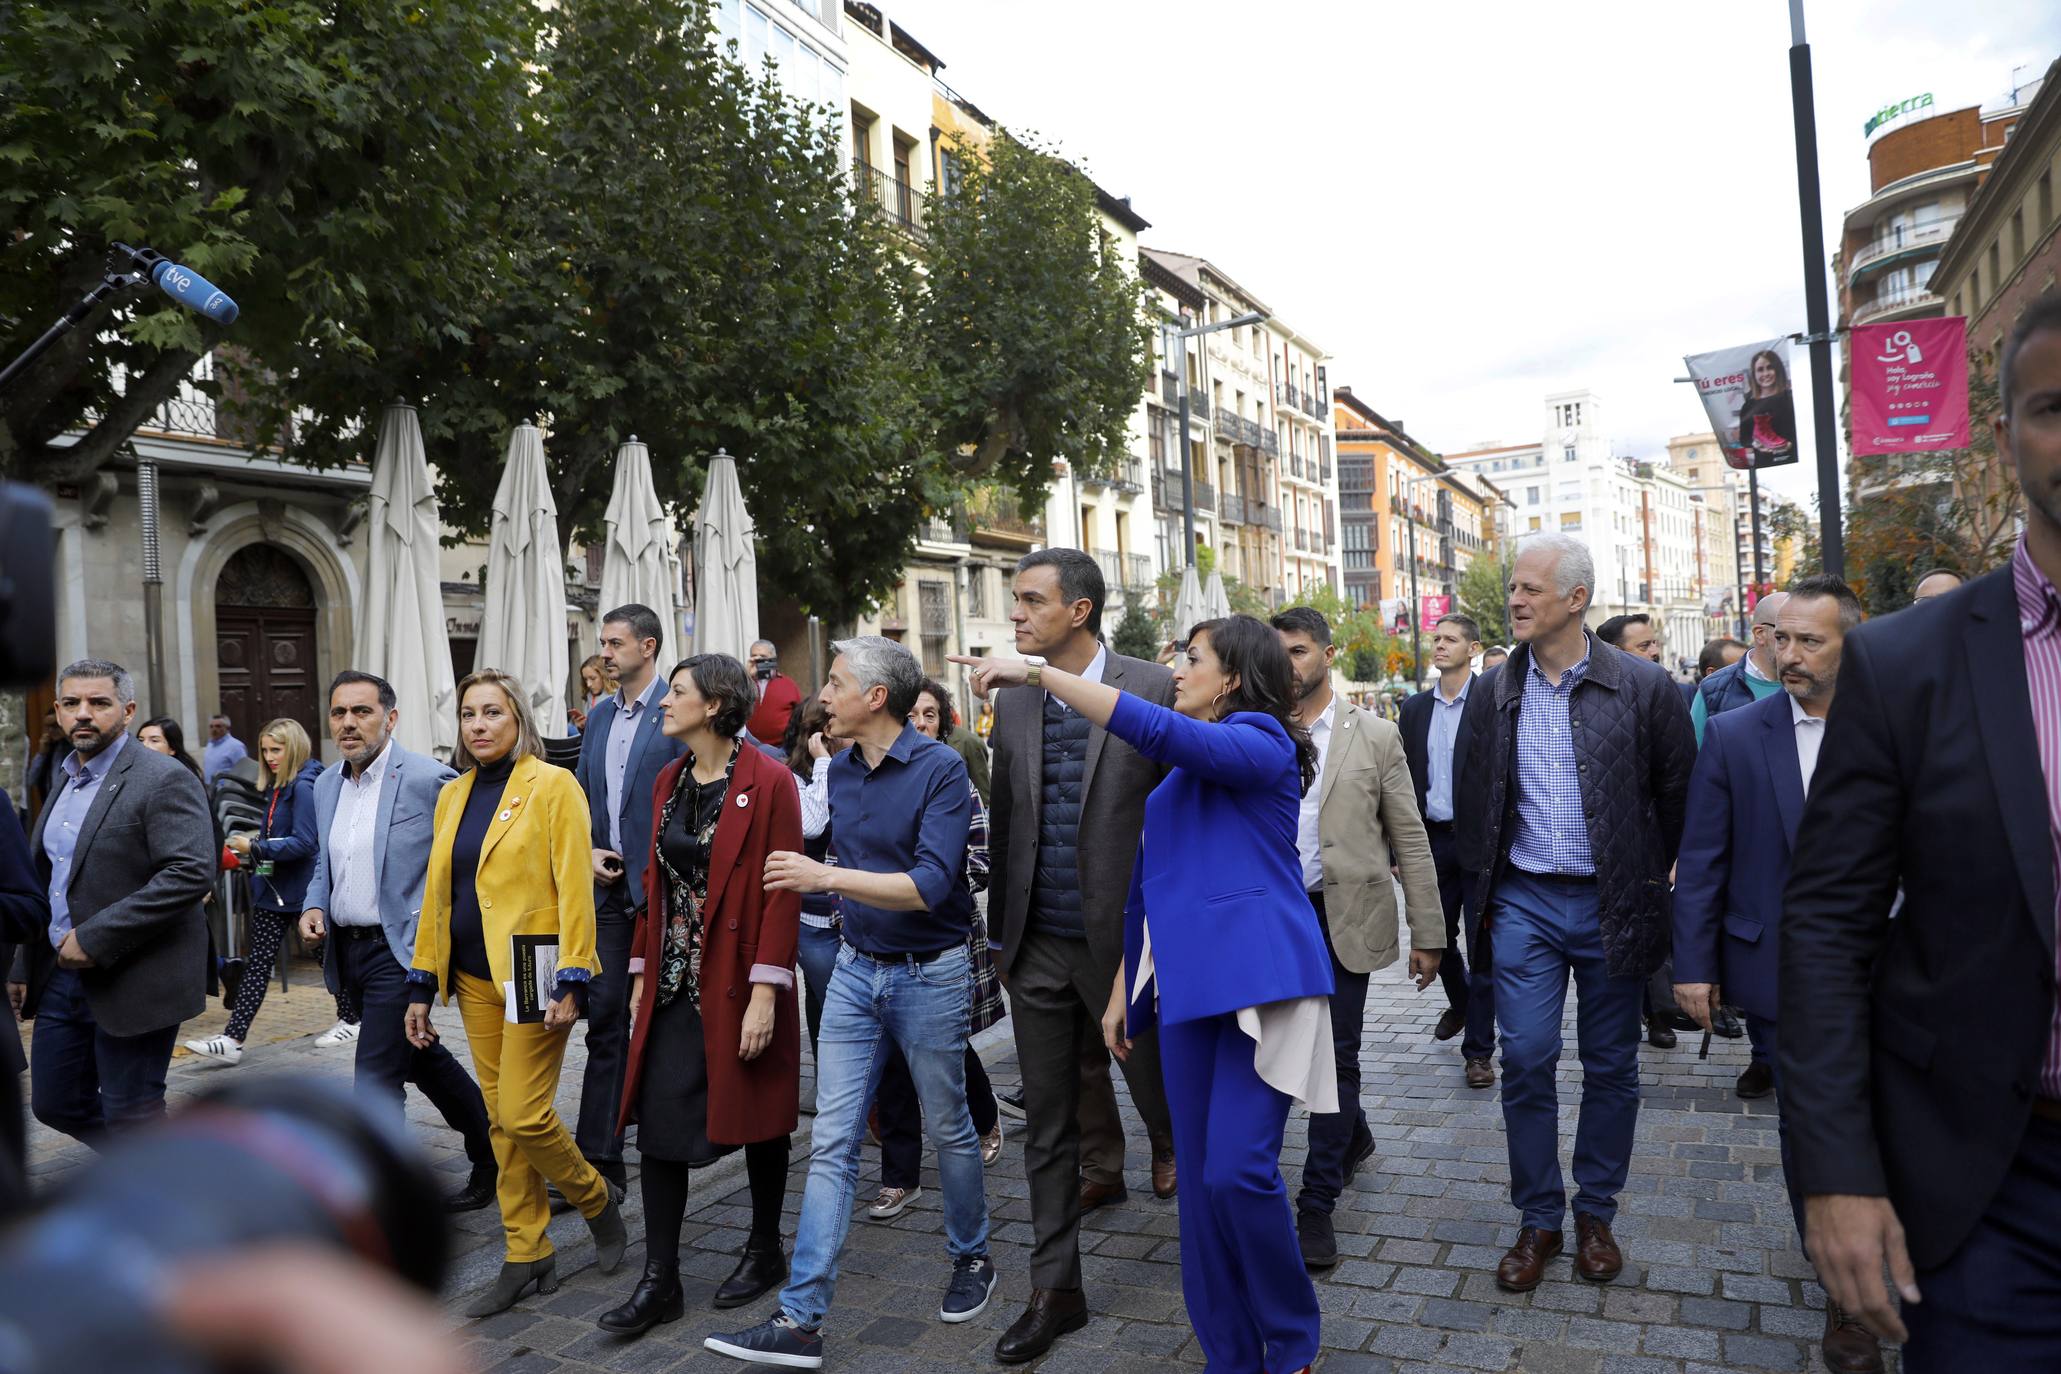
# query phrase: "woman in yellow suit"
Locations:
[[511, 867]]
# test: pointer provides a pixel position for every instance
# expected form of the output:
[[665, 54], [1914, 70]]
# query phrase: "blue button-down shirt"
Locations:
[[61, 831], [1552, 834], [218, 756], [910, 813], [622, 732], [1445, 730]]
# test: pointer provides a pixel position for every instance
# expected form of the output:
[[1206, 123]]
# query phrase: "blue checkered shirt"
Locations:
[[1551, 835]]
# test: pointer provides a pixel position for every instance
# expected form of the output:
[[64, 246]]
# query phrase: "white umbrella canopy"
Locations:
[[1189, 608], [635, 565], [726, 566], [522, 631], [401, 627], [1215, 603]]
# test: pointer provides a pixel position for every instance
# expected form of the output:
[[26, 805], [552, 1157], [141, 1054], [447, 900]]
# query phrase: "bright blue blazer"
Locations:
[[1218, 869], [1738, 839]]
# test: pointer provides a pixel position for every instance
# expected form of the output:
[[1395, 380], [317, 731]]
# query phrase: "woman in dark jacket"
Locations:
[[715, 1035], [1767, 421], [282, 859]]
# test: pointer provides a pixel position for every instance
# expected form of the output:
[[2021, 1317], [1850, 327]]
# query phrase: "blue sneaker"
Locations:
[[776, 1341], [973, 1283]]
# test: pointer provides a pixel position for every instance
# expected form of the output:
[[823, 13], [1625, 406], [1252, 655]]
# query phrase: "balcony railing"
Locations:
[[1137, 572], [1274, 520], [1232, 512], [893, 197], [1269, 445], [1125, 474], [1892, 244], [997, 514], [1198, 404], [1112, 566], [1205, 496], [1890, 302], [1169, 387]]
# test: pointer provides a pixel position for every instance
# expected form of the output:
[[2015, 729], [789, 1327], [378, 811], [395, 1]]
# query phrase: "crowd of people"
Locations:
[[1192, 870]]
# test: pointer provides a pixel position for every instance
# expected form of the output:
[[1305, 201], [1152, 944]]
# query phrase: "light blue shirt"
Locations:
[[1552, 833], [622, 732], [61, 831], [218, 756], [1445, 730]]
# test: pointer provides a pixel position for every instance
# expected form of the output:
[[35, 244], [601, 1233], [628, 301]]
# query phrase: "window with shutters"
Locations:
[[934, 600]]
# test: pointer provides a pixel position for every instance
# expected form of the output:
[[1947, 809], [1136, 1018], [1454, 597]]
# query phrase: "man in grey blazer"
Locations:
[[622, 751], [375, 814], [126, 852], [1055, 921]]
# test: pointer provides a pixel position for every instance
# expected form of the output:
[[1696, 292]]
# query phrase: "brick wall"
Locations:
[[1940, 141]]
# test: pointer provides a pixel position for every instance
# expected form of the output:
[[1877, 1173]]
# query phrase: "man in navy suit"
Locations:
[[622, 753], [375, 812], [1745, 799]]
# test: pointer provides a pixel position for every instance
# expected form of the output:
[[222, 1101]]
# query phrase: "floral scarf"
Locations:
[[680, 955]]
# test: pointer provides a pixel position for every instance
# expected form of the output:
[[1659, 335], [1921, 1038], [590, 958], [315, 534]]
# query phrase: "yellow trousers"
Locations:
[[518, 1067]]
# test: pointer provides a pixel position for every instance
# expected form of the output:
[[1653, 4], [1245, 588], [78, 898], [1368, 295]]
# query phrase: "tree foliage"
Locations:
[[1033, 321], [1367, 652], [1957, 509], [323, 164], [1483, 597], [1137, 634]]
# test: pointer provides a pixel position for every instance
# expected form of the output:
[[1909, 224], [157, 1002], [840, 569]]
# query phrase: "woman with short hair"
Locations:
[[508, 928], [715, 1037]]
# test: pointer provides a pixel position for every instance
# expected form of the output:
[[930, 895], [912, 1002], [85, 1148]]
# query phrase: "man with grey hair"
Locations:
[[900, 808], [1569, 812], [126, 852]]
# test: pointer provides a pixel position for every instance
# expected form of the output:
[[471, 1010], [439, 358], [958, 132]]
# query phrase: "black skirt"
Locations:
[[672, 1096]]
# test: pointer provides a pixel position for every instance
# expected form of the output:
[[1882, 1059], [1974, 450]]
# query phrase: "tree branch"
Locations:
[[138, 401]]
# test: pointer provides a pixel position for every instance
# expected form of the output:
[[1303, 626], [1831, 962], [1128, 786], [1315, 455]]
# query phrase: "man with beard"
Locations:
[[1738, 844], [1362, 806], [126, 852]]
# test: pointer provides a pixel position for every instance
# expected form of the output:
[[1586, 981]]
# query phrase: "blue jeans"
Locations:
[[817, 955], [1544, 929], [87, 1083], [924, 1010], [1249, 1297]]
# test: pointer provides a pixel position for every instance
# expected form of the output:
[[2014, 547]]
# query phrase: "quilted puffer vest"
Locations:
[[1055, 903]]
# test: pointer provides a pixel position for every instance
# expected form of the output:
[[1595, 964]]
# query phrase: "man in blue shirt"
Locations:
[[900, 806], [1570, 810], [222, 752]]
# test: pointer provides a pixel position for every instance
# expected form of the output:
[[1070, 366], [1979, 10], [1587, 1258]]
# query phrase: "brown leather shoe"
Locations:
[[1596, 1256], [1480, 1074], [1051, 1314], [1849, 1347], [1524, 1264], [1095, 1195], [1451, 1022], [1164, 1179]]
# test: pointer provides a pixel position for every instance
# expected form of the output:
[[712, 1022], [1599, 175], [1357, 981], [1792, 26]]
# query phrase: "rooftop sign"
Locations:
[[1895, 111]]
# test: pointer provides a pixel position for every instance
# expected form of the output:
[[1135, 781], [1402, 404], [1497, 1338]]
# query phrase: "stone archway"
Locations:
[[265, 662], [310, 547]]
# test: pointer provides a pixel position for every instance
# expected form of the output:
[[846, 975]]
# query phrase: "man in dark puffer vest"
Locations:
[[1067, 811]]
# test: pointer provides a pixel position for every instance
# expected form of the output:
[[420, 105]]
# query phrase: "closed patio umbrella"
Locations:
[[523, 629], [1214, 601], [635, 567], [402, 635], [1189, 608], [726, 566]]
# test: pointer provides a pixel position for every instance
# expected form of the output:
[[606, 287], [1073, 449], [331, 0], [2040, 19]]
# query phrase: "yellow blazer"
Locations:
[[536, 871]]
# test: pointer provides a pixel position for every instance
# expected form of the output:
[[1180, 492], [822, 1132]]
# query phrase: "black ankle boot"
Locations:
[[657, 1298], [763, 1265]]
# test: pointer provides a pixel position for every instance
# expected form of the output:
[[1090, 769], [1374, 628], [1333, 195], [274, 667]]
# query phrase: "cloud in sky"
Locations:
[[1473, 205]]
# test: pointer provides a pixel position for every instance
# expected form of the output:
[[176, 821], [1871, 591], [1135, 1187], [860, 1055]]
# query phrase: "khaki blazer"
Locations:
[[1368, 809]]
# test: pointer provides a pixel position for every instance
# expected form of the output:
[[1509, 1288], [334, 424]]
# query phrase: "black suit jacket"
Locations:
[[24, 915], [1911, 1048], [1414, 719]]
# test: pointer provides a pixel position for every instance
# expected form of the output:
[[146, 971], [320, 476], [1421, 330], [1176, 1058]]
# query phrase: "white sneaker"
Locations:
[[219, 1048], [342, 1033], [892, 1202]]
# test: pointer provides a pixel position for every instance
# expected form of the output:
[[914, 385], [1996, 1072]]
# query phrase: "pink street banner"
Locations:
[[1434, 607], [1745, 394], [1909, 386]]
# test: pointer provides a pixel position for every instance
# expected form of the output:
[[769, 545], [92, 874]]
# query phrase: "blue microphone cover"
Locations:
[[194, 291]]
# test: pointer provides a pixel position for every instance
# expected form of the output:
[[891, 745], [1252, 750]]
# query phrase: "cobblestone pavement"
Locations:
[[1713, 1277]]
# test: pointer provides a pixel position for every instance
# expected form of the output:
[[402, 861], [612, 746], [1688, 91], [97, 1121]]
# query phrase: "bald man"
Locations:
[[1749, 680], [1938, 582]]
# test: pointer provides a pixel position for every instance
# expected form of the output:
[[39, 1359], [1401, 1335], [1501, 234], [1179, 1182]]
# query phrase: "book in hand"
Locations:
[[533, 964]]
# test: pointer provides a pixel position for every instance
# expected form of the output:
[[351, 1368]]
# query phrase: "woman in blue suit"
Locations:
[[1223, 950]]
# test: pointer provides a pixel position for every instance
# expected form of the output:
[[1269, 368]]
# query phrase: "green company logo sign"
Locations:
[[1889, 112]]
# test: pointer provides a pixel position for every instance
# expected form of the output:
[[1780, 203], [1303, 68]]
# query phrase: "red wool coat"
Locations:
[[742, 924], [769, 718]]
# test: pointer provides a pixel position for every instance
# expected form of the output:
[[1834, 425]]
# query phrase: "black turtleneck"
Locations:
[[468, 934]]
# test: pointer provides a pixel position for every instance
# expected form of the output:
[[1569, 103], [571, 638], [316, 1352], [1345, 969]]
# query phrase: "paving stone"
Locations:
[[1744, 1351]]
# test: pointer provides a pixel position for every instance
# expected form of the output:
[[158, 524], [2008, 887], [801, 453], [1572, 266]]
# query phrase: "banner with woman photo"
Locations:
[[1745, 392]]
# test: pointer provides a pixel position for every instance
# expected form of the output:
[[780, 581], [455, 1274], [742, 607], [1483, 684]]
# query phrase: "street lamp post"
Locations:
[[1817, 308], [1173, 335], [1416, 601]]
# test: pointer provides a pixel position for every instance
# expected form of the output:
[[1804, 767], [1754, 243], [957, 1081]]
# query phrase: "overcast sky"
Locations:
[[1473, 205]]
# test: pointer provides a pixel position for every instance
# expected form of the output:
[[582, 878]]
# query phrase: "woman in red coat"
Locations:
[[715, 1041]]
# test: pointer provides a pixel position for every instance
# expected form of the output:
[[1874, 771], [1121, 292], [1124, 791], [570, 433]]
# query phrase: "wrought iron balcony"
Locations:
[[1232, 512], [1205, 496], [891, 196], [1269, 445], [998, 517], [1137, 572]]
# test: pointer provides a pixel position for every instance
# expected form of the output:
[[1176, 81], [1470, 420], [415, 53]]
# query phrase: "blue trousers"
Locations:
[[816, 953], [86, 1082], [1996, 1305], [608, 1034], [922, 1009], [1249, 1297], [1545, 928]]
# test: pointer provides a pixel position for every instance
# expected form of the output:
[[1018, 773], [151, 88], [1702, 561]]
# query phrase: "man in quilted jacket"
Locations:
[[1568, 817]]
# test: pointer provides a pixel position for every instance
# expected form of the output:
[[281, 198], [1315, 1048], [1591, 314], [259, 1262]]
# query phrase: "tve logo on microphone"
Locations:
[[194, 291]]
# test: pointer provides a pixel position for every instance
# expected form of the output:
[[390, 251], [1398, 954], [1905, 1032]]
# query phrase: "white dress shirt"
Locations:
[[1091, 673], [1810, 734], [353, 840], [1306, 833]]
